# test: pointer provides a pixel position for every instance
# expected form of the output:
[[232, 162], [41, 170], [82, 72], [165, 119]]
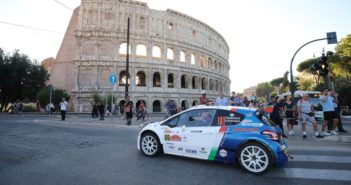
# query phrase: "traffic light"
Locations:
[[322, 67]]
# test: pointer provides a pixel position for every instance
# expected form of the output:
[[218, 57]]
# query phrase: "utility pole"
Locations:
[[127, 61]]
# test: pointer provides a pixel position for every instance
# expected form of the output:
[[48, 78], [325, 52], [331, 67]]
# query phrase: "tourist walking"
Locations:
[[329, 112], [128, 110], [221, 100], [63, 109]]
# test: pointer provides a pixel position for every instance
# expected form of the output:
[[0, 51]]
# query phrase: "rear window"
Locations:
[[226, 118], [263, 117]]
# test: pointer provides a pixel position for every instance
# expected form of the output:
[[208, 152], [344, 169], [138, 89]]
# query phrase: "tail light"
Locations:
[[272, 135]]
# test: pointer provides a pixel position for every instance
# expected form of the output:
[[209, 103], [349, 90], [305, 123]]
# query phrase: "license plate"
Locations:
[[284, 148]]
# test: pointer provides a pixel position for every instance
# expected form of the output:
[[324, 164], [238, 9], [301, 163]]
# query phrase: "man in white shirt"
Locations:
[[221, 101], [63, 108]]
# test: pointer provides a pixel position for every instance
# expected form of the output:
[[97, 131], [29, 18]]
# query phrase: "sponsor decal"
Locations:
[[223, 153], [203, 151], [167, 131], [245, 129], [223, 120], [172, 137], [180, 149], [196, 131], [251, 124], [171, 147], [190, 151], [168, 143]]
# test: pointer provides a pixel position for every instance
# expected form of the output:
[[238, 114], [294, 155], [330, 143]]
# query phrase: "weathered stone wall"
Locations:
[[172, 55]]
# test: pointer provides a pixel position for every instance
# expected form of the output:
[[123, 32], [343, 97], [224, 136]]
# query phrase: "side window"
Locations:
[[227, 118], [197, 118], [172, 122]]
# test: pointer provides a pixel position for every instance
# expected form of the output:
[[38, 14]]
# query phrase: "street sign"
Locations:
[[331, 37], [113, 78]]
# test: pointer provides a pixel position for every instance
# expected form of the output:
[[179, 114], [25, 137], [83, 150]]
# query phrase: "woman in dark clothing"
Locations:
[[275, 116]]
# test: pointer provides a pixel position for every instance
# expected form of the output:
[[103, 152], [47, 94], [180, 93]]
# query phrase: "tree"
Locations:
[[277, 83], [21, 79], [56, 96], [341, 61], [264, 90]]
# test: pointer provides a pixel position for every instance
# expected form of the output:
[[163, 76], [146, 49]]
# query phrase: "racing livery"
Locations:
[[227, 134]]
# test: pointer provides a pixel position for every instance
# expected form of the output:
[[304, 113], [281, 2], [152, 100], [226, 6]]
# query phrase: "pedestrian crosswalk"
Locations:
[[318, 161]]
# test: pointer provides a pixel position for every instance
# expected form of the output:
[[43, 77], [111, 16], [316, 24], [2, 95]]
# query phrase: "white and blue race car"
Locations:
[[227, 134]]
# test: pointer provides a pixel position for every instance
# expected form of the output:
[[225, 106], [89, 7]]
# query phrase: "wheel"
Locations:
[[150, 145], [255, 158]]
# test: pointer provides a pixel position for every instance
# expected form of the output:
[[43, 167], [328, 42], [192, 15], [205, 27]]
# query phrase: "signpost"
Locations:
[[113, 79]]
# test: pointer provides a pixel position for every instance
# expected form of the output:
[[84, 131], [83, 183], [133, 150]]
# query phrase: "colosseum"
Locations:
[[171, 56]]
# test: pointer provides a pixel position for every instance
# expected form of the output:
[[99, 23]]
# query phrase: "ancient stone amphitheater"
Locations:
[[172, 56]]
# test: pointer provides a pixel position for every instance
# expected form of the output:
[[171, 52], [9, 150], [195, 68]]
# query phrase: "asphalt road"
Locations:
[[42, 150]]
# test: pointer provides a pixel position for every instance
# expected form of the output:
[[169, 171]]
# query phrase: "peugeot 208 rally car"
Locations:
[[228, 134]]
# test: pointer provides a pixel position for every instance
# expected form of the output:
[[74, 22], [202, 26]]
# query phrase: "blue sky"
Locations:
[[262, 35]]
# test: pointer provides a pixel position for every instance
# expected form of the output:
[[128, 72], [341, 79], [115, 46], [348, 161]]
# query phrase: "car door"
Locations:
[[197, 134]]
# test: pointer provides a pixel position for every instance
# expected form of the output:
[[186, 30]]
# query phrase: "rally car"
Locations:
[[228, 134]]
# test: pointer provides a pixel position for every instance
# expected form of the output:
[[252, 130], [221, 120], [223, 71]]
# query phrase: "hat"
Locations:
[[203, 92]]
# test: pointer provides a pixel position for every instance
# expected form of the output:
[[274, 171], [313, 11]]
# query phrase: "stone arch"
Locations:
[[120, 106], [203, 61], [156, 106], [122, 78], [193, 58], [141, 50], [156, 79], [184, 81], [211, 84], [170, 54], [216, 85], [194, 82], [204, 83], [156, 51], [182, 57], [123, 48], [140, 79], [184, 105], [216, 65], [210, 63], [170, 80], [195, 102]]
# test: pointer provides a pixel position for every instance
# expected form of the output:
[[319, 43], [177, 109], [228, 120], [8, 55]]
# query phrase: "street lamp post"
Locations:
[[331, 37], [50, 86]]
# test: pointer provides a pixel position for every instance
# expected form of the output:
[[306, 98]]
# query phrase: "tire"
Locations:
[[255, 158], [150, 145]]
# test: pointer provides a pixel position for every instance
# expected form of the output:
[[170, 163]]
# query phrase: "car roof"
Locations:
[[222, 107]]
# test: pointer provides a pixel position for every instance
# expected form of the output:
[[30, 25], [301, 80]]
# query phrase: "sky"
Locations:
[[262, 35]]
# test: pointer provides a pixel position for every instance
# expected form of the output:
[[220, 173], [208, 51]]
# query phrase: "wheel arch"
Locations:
[[252, 140]]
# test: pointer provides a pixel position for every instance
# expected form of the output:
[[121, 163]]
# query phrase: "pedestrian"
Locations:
[[128, 110], [275, 115], [37, 106], [171, 107], [20, 107], [306, 114], [232, 99], [290, 114], [141, 111], [221, 100], [94, 112], [238, 101], [203, 99], [329, 112], [63, 108], [338, 103], [101, 108]]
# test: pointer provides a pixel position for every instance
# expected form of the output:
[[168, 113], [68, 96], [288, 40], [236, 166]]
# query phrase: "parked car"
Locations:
[[228, 134]]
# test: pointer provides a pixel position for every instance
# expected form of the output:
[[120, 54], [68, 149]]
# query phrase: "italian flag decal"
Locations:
[[219, 139]]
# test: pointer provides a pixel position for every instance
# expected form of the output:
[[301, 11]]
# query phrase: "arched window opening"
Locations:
[[195, 102], [183, 82], [184, 105], [182, 56], [156, 52], [140, 79], [170, 81], [141, 50], [193, 82], [122, 78], [156, 106], [203, 83], [211, 84], [170, 54], [203, 61], [192, 59], [123, 49], [121, 106], [156, 80]]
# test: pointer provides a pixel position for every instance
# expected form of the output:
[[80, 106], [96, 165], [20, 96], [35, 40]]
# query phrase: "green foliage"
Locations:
[[343, 87], [21, 79], [56, 96], [264, 89]]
